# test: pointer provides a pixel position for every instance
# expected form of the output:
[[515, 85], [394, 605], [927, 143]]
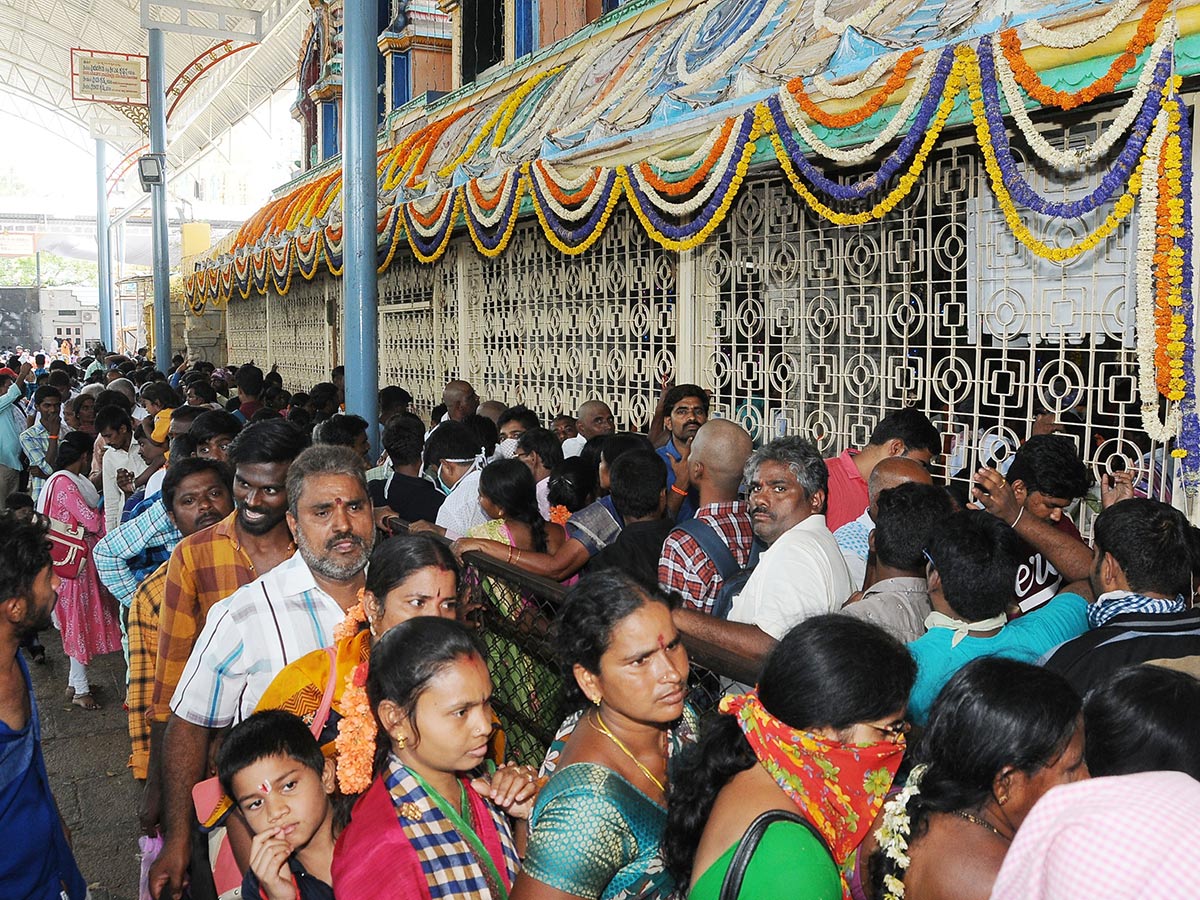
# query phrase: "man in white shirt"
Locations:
[[594, 418], [800, 574], [116, 430], [459, 460]]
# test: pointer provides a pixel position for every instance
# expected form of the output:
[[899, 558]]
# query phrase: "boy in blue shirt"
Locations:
[[274, 770]]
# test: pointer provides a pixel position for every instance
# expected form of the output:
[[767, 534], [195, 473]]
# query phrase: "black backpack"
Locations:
[[733, 577]]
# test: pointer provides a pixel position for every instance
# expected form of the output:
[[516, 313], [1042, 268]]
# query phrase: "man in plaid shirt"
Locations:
[[718, 455]]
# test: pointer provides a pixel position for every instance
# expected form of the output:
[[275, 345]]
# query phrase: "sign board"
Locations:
[[17, 243], [103, 77]]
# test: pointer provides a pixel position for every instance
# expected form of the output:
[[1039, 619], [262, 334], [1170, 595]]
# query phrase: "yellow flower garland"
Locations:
[[509, 227], [1121, 210], [441, 248], [1171, 188], [907, 181], [547, 229]]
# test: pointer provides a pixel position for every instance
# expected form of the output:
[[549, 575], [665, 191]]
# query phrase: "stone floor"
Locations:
[[86, 755]]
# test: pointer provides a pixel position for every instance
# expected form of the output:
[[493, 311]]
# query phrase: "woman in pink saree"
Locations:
[[85, 615]]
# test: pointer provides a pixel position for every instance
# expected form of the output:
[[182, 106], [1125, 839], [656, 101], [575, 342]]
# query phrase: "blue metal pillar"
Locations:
[[158, 205], [103, 256], [360, 127]]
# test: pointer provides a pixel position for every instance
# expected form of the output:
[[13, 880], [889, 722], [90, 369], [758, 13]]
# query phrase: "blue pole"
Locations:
[[103, 256], [359, 87], [158, 205]]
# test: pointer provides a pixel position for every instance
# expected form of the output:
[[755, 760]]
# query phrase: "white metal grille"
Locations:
[[246, 327], [418, 327], [552, 331], [813, 329], [300, 338]]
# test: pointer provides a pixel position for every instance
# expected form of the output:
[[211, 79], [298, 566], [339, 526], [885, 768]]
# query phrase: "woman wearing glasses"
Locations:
[[1001, 734], [783, 787]]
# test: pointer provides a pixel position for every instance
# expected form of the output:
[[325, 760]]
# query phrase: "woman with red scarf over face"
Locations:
[[819, 740]]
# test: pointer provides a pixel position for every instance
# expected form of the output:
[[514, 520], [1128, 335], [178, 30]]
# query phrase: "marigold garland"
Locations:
[[355, 742], [873, 105], [1010, 43], [488, 246], [1121, 210], [568, 244], [906, 182], [1168, 263], [688, 184]]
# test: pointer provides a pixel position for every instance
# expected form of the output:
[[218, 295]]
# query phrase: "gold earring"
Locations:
[[401, 742], [596, 701], [1002, 799]]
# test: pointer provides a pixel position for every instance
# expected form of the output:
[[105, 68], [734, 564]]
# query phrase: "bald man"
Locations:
[[889, 472], [460, 399], [718, 455], [593, 418]]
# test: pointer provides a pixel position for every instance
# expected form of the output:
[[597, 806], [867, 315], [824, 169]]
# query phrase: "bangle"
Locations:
[[510, 552], [518, 559], [675, 490], [1020, 513], [53, 437]]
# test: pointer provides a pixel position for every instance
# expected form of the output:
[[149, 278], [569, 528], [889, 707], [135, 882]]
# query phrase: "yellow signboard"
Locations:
[[108, 77]]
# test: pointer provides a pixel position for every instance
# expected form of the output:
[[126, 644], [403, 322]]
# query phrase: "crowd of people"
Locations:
[[957, 696]]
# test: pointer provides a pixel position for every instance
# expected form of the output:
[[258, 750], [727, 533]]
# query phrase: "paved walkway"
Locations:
[[86, 755]]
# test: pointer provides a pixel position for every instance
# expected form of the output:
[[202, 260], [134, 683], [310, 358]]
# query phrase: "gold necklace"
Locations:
[[982, 823], [604, 730]]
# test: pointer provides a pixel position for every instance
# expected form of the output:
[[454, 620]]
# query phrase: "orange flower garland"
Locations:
[[356, 617], [355, 742], [1010, 43], [855, 116], [1169, 326], [568, 198], [687, 185], [559, 515]]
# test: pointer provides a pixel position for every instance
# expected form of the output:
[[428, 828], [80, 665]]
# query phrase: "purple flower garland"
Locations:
[[897, 158], [491, 238], [426, 246], [1189, 433], [1114, 180], [704, 215], [575, 236], [383, 244]]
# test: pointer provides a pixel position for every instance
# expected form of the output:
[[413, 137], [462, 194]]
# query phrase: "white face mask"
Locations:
[[507, 449]]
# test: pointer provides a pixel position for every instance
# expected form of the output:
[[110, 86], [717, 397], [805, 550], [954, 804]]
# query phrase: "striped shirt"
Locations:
[[248, 639], [123, 547], [143, 652]]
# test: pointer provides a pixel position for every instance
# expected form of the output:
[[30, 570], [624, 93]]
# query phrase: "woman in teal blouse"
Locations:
[[596, 825]]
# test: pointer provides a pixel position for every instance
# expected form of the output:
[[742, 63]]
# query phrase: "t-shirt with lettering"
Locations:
[[1037, 579]]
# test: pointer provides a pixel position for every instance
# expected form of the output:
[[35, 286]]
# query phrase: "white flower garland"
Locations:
[[563, 94], [687, 207], [572, 215], [693, 159], [864, 82], [916, 92], [426, 205], [857, 21], [483, 217], [1160, 431], [735, 51], [1077, 160], [563, 182], [1072, 36], [894, 831]]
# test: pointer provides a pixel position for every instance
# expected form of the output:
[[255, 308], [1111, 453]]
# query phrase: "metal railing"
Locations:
[[514, 611]]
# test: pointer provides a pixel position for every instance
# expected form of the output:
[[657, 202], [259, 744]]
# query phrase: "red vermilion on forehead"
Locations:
[[265, 787], [662, 644]]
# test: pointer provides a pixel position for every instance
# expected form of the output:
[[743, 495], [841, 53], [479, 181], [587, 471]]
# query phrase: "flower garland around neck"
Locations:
[[918, 93], [895, 828], [355, 742], [1076, 160], [1114, 179], [1080, 35], [907, 181], [895, 160], [1121, 209], [1010, 43], [857, 21], [352, 624], [1187, 448], [873, 105], [1161, 431]]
